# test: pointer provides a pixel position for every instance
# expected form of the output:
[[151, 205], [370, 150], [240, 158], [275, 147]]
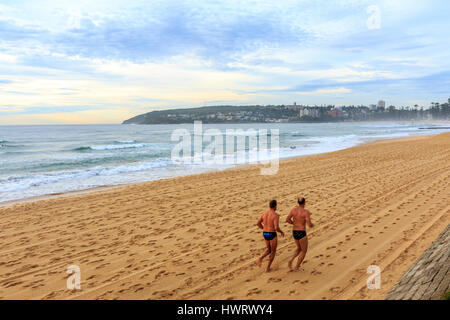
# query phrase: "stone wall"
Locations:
[[429, 277]]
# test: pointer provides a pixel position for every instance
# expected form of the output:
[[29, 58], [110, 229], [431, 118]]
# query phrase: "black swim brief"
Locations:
[[269, 235], [299, 234]]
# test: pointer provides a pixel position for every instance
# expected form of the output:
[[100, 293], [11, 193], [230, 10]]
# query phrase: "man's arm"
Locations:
[[277, 225], [259, 223], [289, 217], [308, 219]]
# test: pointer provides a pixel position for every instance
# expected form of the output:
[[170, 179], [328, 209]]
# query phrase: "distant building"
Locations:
[[381, 104], [335, 113], [308, 112], [293, 107], [373, 107], [303, 112], [314, 113]]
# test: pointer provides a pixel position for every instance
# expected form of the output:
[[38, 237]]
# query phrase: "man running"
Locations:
[[299, 217], [269, 223]]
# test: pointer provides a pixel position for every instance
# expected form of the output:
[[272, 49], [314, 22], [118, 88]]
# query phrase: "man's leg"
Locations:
[[265, 254], [273, 251], [296, 253], [303, 250]]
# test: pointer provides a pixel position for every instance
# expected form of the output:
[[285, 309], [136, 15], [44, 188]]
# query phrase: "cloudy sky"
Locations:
[[105, 61]]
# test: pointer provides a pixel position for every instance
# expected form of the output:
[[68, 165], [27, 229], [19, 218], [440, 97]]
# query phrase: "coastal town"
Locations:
[[295, 113]]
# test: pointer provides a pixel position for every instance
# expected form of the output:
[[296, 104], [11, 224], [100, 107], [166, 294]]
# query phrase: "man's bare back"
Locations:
[[300, 217], [269, 223], [269, 220]]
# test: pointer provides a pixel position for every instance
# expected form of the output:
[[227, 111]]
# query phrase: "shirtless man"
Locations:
[[299, 217], [269, 223]]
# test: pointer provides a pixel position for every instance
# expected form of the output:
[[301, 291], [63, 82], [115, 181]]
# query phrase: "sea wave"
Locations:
[[57, 168], [387, 125], [24, 182], [112, 147], [10, 146], [296, 134]]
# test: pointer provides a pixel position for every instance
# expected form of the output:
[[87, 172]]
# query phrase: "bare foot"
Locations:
[[267, 269], [290, 265], [259, 262], [298, 269]]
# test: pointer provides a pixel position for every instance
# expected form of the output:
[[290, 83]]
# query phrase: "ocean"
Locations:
[[53, 159]]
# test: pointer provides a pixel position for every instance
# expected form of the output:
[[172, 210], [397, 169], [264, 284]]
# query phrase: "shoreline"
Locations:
[[194, 237], [438, 121], [108, 187]]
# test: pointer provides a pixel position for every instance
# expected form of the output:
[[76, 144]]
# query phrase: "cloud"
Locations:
[[437, 84], [140, 55], [164, 29], [324, 91]]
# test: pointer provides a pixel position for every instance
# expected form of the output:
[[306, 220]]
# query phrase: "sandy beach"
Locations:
[[195, 237]]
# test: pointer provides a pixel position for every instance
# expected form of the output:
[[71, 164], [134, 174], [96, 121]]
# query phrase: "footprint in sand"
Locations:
[[253, 291], [304, 282]]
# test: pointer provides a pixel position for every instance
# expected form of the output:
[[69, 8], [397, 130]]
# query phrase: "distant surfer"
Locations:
[[299, 217], [269, 223]]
